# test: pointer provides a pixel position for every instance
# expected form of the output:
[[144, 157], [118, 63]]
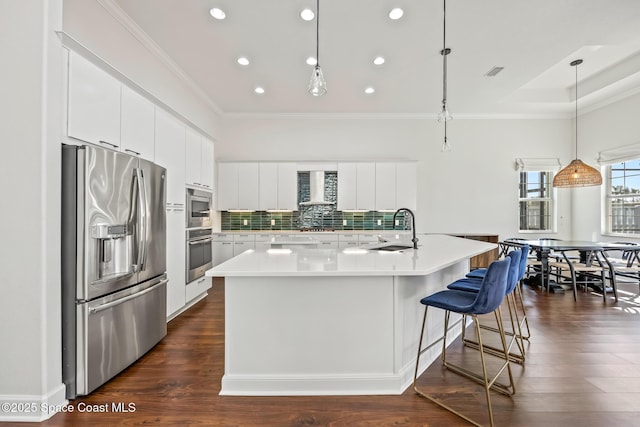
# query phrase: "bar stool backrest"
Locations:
[[493, 288]]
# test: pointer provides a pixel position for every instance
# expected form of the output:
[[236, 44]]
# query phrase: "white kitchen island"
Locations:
[[333, 321]]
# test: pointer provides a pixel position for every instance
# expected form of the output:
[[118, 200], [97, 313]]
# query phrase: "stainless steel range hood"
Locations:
[[316, 190]]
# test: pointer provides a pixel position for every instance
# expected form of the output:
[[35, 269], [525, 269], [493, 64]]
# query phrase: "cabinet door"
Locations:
[[248, 189], [407, 185], [347, 186], [288, 186], [93, 103], [207, 163], [385, 186], [227, 186], [176, 262], [137, 133], [170, 153], [268, 186], [366, 189], [222, 251], [193, 157]]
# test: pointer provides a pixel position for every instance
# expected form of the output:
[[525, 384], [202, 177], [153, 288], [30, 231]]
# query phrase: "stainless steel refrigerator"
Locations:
[[113, 263]]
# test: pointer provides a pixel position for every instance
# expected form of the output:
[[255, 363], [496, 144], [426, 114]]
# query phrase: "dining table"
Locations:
[[544, 248]]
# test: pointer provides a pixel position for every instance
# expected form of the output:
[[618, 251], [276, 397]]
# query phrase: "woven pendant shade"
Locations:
[[577, 174]]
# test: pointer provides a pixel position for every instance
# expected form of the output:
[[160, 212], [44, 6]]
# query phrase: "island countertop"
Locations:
[[434, 253]]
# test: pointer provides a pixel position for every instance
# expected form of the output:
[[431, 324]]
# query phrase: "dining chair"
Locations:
[[590, 272], [624, 263], [472, 283], [487, 300]]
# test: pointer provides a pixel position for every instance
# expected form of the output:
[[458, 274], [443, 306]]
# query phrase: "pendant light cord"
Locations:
[[576, 120], [444, 53], [317, 33]]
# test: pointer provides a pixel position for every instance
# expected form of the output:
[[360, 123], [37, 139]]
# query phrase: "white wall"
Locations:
[[473, 188], [30, 106], [613, 126]]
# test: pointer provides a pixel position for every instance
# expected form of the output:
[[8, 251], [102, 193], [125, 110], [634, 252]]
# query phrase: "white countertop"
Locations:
[[434, 253]]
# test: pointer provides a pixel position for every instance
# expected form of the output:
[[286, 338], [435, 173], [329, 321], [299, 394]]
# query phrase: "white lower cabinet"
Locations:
[[197, 288], [176, 258], [243, 242], [222, 247]]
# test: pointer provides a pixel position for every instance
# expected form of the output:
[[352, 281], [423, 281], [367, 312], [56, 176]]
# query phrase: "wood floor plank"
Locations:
[[581, 370]]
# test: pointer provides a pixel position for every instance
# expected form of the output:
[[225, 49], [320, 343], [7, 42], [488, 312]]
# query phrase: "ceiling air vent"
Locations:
[[492, 72]]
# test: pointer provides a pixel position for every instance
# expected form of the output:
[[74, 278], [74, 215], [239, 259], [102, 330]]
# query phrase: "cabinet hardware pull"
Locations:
[[131, 151], [108, 143]]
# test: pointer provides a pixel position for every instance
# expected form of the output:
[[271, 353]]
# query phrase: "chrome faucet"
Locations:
[[413, 225]]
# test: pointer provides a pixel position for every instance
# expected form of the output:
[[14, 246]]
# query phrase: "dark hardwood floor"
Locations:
[[582, 369]]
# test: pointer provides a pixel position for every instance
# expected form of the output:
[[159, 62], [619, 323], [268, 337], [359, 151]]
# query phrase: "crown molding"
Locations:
[[130, 25], [390, 116]]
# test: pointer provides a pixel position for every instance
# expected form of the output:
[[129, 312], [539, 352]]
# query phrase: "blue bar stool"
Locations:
[[523, 323], [487, 300], [513, 276]]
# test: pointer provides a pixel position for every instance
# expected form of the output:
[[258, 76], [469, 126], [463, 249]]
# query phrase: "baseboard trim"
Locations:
[[32, 408]]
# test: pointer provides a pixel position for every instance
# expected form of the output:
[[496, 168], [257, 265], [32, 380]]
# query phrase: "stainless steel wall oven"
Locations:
[[199, 253], [199, 208]]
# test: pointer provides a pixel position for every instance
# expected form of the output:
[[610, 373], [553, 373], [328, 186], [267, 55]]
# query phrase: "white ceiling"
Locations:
[[533, 40]]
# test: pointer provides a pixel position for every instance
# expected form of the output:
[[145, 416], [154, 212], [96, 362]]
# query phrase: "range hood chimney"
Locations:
[[316, 190]]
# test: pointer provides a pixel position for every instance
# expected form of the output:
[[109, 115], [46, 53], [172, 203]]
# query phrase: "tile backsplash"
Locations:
[[286, 221]]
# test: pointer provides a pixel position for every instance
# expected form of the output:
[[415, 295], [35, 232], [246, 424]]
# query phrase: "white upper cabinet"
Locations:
[[347, 186], [199, 160], [170, 153], [268, 186], [386, 186], [288, 186], [103, 111], [407, 185], [227, 185], [278, 186], [248, 186], [207, 163], [93, 104], [356, 186], [193, 157], [137, 133]]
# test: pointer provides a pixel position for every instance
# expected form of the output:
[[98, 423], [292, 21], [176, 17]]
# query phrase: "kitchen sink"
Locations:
[[392, 248]]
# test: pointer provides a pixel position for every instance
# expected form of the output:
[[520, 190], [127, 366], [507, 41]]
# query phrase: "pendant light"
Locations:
[[444, 115], [317, 85], [577, 173]]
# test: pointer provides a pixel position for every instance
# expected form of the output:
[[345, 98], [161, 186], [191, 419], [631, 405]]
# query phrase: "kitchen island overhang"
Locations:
[[332, 321]]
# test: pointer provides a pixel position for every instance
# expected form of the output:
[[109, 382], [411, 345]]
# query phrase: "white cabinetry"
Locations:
[[176, 259], [278, 186], [243, 242], [356, 186], [170, 153], [347, 241], [238, 186], [103, 111], [222, 248], [197, 288], [93, 103], [199, 159], [407, 185], [385, 186], [327, 240], [137, 122]]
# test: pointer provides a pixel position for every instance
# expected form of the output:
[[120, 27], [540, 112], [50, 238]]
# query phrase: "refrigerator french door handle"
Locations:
[[100, 308], [142, 224]]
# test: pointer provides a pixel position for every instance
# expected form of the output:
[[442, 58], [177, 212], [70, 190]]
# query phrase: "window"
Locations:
[[623, 197], [536, 201]]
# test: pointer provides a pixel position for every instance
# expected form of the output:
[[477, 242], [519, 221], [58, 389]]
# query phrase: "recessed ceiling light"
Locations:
[[369, 90], [396, 13], [311, 61], [218, 13], [259, 90], [243, 60], [307, 14], [378, 60]]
